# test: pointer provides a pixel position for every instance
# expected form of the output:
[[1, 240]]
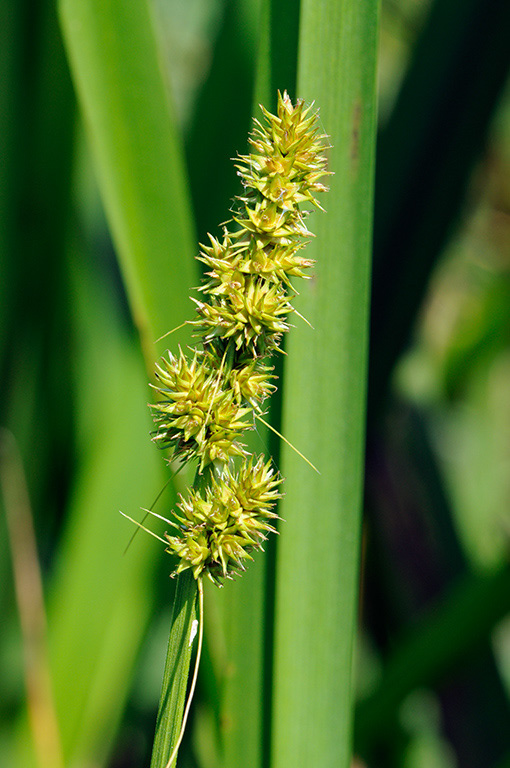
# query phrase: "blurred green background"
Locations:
[[433, 656]]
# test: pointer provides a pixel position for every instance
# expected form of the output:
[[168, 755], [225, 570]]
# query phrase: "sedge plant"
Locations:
[[207, 399]]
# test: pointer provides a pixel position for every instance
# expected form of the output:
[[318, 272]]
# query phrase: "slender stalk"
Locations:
[[195, 671], [170, 721]]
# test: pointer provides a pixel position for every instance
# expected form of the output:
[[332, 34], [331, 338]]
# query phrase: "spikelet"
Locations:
[[205, 404], [221, 526]]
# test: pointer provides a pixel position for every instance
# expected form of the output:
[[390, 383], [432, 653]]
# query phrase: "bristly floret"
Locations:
[[195, 416], [251, 382], [252, 256], [288, 161], [252, 314], [222, 525]]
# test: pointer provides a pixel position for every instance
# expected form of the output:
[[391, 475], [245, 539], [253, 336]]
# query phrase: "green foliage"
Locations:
[[116, 67], [80, 320]]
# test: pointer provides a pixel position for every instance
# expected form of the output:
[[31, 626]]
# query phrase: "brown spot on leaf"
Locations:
[[356, 130]]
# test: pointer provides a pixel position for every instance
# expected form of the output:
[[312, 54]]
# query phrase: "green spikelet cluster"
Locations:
[[220, 527], [204, 404]]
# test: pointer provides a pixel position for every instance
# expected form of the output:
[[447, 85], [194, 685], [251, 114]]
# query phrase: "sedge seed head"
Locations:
[[223, 525], [203, 404]]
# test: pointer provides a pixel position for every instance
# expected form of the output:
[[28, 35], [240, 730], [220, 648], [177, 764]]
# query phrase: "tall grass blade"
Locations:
[[224, 106], [36, 144], [30, 604], [318, 552], [116, 67], [100, 600], [124, 97], [242, 706], [278, 51]]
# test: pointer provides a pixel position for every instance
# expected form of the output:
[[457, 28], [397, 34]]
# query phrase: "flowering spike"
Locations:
[[203, 403]]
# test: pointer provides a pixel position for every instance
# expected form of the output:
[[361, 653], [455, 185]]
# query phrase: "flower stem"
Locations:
[[170, 722], [195, 671]]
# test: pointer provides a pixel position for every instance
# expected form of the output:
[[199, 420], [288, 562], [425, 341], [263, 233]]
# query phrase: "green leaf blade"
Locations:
[[318, 555], [115, 63]]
